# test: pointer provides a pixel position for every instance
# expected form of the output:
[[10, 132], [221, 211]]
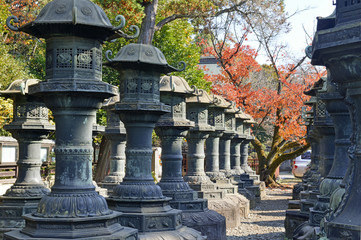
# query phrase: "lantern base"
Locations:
[[11, 211], [244, 178], [196, 213], [249, 195], [90, 228], [232, 207], [294, 218], [208, 190], [179, 234], [153, 218], [209, 222], [109, 186], [225, 184]]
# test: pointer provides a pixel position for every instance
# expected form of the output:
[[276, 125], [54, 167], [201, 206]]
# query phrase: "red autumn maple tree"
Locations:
[[276, 106]]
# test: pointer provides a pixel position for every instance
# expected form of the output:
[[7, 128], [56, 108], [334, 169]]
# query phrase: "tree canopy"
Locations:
[[272, 93]]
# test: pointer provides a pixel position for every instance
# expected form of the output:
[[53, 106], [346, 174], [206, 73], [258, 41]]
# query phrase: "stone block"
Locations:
[[227, 208], [293, 219], [294, 204]]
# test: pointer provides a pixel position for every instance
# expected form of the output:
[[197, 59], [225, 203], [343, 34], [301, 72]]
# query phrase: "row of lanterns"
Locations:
[[138, 208]]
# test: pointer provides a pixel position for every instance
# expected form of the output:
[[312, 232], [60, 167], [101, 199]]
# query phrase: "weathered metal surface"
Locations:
[[172, 128], [142, 202], [336, 46], [30, 126], [73, 90]]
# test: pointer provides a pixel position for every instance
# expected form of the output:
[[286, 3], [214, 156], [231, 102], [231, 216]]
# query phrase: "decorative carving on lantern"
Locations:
[[172, 128], [73, 31], [139, 108], [30, 126]]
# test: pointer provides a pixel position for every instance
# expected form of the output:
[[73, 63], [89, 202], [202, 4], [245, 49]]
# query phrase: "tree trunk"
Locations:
[[261, 155], [271, 169], [148, 24], [103, 164]]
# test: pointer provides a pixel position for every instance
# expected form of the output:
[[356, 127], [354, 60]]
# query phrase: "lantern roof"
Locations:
[[232, 108], [71, 17], [250, 119], [18, 87], [220, 102], [176, 84], [242, 115], [201, 97], [141, 56]]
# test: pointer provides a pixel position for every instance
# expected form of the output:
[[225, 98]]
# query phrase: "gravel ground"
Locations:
[[266, 221]]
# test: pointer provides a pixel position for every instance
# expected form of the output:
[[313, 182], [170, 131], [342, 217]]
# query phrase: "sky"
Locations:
[[296, 38]]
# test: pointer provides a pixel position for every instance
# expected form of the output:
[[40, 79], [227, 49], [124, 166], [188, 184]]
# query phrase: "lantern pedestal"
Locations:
[[116, 134], [73, 209], [29, 126], [172, 128], [212, 156], [200, 182], [144, 205]]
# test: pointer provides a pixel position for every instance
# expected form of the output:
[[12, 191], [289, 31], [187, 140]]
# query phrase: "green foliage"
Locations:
[[176, 42], [36, 63], [6, 114], [11, 68]]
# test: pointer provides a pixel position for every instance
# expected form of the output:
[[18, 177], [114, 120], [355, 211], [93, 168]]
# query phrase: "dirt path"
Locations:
[[266, 221]]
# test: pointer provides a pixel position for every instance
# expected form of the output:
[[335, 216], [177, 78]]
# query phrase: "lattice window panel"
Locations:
[[21, 111], [132, 85], [33, 111], [321, 108], [240, 128], [64, 58], [84, 59], [147, 86], [211, 118], [98, 60], [44, 112], [228, 121], [219, 118]]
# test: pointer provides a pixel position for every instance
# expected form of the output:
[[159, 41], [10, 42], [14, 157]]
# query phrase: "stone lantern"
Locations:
[[236, 143], [30, 126], [323, 126], [142, 202], [338, 111], [116, 134], [74, 31], [238, 172], [252, 181], [225, 141], [337, 45], [215, 119], [323, 131], [244, 147], [312, 175], [297, 188], [229, 206], [172, 128], [294, 217], [196, 137]]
